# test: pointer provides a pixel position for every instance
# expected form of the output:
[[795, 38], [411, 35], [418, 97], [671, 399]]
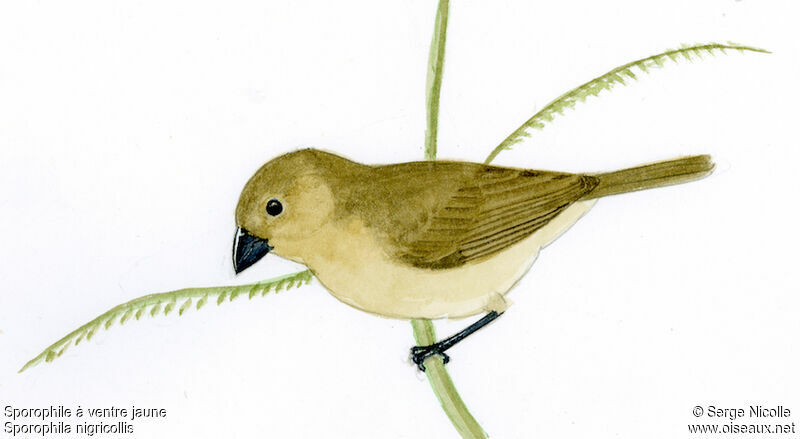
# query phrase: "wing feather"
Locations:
[[484, 210]]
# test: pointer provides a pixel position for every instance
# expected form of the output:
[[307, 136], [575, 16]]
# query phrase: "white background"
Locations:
[[128, 128]]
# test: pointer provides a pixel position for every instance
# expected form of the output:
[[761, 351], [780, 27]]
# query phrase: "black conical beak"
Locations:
[[247, 249]]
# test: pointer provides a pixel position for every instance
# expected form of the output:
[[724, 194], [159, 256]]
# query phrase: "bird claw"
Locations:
[[420, 353]]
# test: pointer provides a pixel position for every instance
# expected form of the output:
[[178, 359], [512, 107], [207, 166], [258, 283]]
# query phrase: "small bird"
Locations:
[[431, 239]]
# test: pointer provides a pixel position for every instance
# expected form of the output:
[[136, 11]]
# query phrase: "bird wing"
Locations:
[[479, 210]]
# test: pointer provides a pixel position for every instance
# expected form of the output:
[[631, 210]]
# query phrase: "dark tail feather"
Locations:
[[654, 175]]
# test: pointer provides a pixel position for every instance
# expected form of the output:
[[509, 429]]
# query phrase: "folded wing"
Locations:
[[482, 210]]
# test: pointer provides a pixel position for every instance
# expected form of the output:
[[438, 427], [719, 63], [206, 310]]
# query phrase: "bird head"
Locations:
[[281, 207]]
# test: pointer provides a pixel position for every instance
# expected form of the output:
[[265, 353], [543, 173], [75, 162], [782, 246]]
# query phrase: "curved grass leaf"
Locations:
[[607, 81], [153, 303]]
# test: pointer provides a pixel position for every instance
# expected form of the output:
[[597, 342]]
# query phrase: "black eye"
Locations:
[[274, 207]]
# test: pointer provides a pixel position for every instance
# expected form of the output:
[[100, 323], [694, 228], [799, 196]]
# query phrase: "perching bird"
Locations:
[[429, 240]]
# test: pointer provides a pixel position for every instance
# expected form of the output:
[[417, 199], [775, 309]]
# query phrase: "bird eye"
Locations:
[[274, 207]]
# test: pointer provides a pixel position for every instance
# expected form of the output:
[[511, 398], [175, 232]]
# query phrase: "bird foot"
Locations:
[[420, 353]]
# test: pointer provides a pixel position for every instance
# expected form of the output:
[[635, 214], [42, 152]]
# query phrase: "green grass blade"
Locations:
[[154, 303], [434, 79], [607, 82]]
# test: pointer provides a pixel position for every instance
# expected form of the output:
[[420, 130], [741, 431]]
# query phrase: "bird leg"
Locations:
[[420, 353]]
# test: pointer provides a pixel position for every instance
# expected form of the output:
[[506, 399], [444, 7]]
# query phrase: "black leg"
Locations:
[[420, 353]]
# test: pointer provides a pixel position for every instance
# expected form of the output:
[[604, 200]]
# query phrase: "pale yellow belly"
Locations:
[[367, 279]]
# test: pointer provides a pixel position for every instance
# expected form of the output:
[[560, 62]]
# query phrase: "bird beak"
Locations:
[[247, 249]]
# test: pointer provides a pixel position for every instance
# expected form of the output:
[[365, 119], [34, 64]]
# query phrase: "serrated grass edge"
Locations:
[[607, 81], [155, 302]]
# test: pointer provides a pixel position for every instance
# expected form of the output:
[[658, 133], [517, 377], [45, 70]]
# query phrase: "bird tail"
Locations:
[[650, 176]]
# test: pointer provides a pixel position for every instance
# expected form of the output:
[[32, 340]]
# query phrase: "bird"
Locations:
[[427, 239]]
